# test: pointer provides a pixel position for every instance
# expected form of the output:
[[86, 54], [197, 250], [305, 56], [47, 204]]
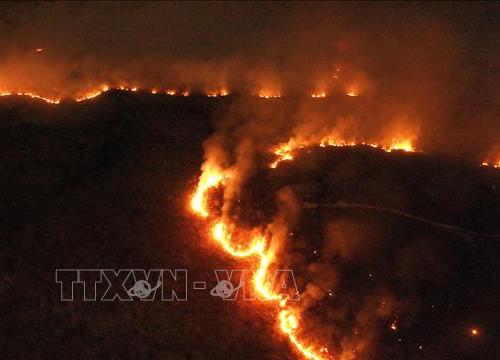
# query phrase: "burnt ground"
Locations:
[[103, 185]]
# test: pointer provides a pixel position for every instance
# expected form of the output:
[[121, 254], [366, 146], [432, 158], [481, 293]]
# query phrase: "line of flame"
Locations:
[[259, 249], [284, 152]]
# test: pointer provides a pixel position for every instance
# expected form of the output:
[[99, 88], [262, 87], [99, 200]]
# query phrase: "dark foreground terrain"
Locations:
[[104, 184]]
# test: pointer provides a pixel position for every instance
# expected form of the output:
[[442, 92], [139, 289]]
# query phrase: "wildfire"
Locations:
[[92, 94], [217, 93], [210, 178], [284, 152], [269, 94], [288, 325], [493, 164], [258, 248], [33, 96], [404, 145], [223, 237]]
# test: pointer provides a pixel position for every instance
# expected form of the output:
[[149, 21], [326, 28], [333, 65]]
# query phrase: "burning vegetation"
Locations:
[[288, 101], [241, 148]]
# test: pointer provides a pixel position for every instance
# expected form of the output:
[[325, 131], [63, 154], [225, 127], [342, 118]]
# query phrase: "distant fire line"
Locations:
[[283, 152], [91, 94]]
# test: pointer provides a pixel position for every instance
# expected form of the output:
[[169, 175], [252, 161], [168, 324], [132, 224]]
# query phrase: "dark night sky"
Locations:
[[205, 31]]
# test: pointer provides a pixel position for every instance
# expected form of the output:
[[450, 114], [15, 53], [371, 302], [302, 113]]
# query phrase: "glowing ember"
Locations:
[[321, 94], [171, 92], [352, 93], [474, 332]]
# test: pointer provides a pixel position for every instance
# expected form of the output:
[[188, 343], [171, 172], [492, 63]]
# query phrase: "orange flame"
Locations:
[[258, 247], [210, 178], [33, 96], [92, 94], [269, 94], [284, 152], [493, 159], [316, 95], [217, 93]]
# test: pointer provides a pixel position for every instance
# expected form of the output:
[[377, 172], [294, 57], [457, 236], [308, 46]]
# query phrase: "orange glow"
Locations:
[[39, 50], [185, 93], [223, 237], [288, 321], [269, 94], [491, 164], [171, 92], [217, 93], [321, 94], [404, 145], [210, 178], [258, 247], [284, 152], [474, 332], [92, 94], [32, 95], [288, 325], [492, 161], [352, 93]]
